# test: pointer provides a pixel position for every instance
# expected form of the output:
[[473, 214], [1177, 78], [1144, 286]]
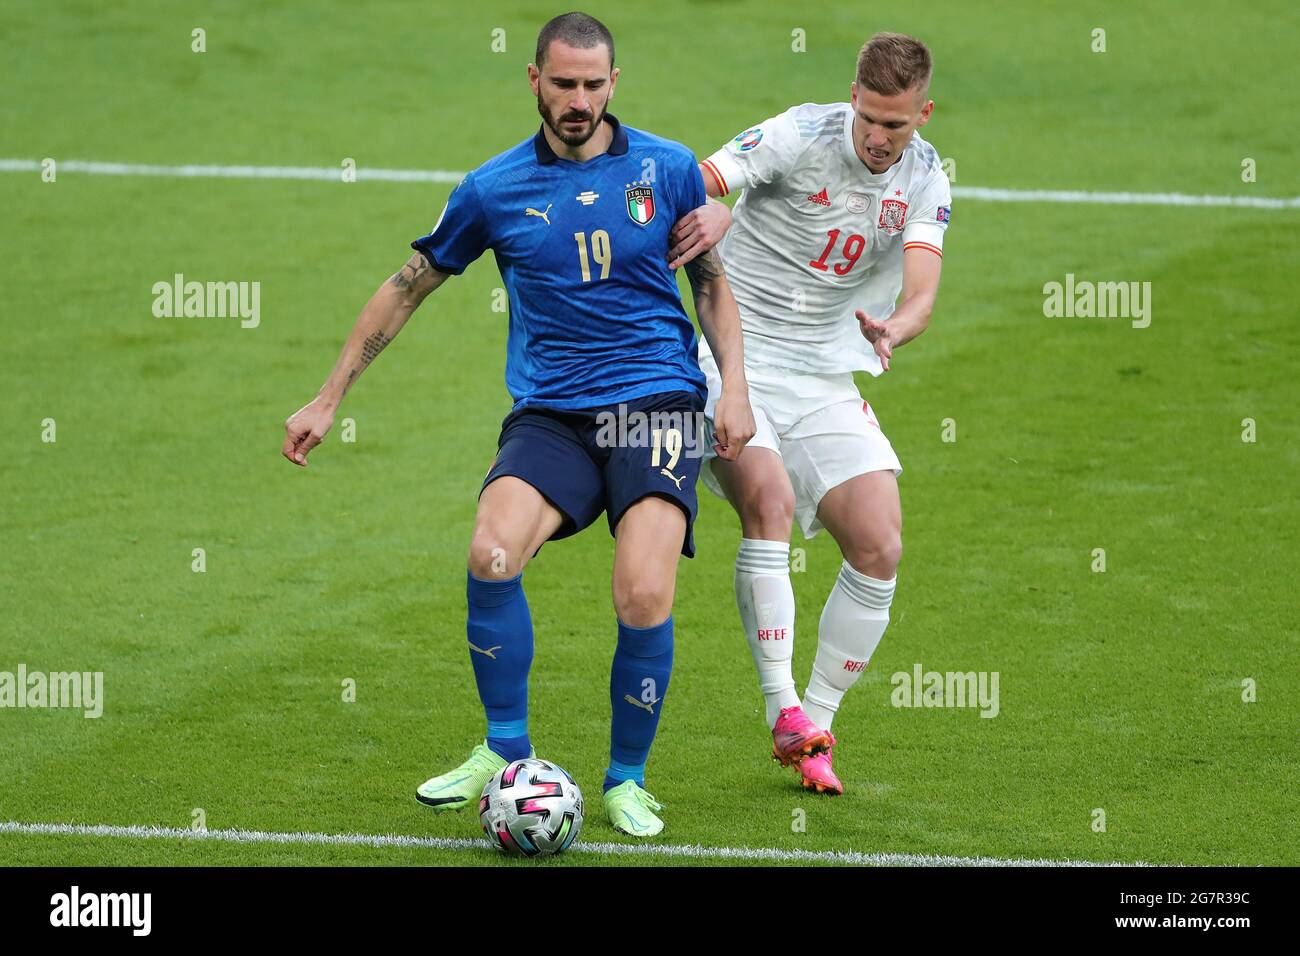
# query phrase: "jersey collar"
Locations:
[[617, 145]]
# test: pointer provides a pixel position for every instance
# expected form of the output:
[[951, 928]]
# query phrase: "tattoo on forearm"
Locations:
[[372, 346], [703, 269], [352, 374], [416, 268]]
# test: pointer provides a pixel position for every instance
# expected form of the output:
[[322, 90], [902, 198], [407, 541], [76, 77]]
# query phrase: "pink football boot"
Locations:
[[818, 776], [795, 737]]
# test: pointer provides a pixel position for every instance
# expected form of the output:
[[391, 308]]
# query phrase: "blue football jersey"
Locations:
[[595, 314]]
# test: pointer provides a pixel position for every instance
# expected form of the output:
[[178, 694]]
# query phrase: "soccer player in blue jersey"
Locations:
[[608, 395]]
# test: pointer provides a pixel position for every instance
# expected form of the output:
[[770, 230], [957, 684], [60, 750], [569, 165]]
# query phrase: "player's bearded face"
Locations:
[[573, 125], [574, 87]]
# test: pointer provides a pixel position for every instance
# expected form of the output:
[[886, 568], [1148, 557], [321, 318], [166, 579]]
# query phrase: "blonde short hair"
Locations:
[[891, 63]]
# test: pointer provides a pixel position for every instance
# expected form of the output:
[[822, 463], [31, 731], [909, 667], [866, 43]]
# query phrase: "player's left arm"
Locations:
[[921, 268], [733, 419]]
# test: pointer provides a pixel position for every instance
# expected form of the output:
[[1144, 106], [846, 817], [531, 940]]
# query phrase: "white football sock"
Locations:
[[766, 602], [852, 624]]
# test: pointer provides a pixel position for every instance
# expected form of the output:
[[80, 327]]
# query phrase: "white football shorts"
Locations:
[[818, 423]]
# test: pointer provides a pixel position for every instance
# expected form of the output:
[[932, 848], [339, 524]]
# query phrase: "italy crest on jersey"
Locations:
[[641, 204]]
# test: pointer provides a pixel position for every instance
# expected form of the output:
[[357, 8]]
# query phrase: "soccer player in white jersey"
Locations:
[[834, 257]]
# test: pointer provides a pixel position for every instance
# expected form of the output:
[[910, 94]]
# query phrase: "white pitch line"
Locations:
[[327, 173], [364, 174], [1119, 199], [844, 857]]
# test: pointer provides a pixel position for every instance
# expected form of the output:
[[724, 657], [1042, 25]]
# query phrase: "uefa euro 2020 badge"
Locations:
[[748, 139]]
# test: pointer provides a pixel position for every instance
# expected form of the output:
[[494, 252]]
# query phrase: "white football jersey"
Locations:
[[817, 235]]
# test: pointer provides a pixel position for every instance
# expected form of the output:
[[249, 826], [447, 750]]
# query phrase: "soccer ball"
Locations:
[[531, 808]]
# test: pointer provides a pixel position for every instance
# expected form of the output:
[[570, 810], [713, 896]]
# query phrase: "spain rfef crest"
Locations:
[[641, 204], [893, 214]]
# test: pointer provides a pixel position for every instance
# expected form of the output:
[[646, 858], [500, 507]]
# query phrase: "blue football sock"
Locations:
[[638, 681], [500, 633]]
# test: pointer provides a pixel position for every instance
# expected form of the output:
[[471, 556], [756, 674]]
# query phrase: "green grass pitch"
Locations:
[[1120, 691]]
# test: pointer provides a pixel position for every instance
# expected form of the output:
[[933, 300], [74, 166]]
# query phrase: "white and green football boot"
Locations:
[[630, 810], [460, 788]]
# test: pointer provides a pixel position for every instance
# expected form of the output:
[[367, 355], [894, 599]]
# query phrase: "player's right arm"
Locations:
[[377, 325], [760, 155], [460, 236]]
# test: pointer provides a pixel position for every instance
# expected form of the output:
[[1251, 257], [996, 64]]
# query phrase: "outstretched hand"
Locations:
[[879, 335]]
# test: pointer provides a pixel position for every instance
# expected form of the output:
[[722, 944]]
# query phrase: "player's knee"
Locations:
[[490, 558], [768, 511], [640, 603], [876, 555]]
